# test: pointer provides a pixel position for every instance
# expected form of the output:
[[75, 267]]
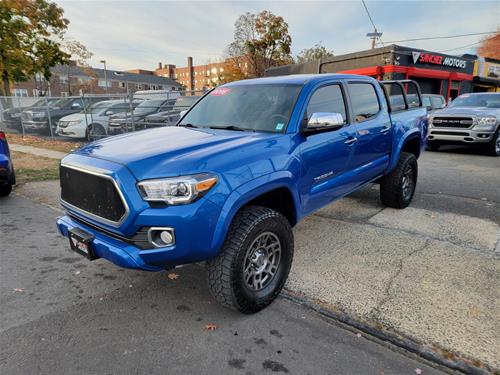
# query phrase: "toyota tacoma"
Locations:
[[244, 165]]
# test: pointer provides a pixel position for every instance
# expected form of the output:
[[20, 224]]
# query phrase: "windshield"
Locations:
[[477, 100], [148, 106], [248, 107], [97, 107], [185, 102]]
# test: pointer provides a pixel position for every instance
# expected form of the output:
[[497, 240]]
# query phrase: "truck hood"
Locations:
[[174, 151], [468, 111]]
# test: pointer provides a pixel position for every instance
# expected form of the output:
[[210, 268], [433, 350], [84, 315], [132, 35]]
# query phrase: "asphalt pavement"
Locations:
[[61, 314]]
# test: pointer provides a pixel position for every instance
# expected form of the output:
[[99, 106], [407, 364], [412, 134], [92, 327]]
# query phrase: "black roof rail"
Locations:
[[400, 83]]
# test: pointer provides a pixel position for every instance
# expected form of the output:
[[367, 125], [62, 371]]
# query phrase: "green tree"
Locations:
[[31, 34], [263, 40], [314, 53]]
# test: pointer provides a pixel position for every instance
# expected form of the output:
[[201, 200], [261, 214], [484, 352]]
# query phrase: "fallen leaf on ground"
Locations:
[[418, 371], [210, 327], [173, 276], [19, 290], [77, 272], [358, 334]]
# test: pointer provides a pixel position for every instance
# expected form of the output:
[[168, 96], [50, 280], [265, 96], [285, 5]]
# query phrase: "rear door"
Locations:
[[326, 155], [372, 123]]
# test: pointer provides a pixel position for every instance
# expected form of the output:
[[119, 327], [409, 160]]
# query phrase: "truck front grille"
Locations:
[[452, 122], [92, 194]]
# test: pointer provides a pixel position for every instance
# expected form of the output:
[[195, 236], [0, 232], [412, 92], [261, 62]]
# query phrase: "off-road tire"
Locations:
[[392, 191], [5, 189], [225, 272], [433, 145], [492, 147]]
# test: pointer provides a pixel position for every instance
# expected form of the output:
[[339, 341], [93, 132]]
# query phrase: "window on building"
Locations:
[[122, 84], [102, 83], [20, 92], [327, 99], [63, 79], [364, 101]]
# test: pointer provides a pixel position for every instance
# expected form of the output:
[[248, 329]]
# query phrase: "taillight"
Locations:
[[2, 136]]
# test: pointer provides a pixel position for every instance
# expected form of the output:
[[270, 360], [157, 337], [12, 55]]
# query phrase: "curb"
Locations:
[[391, 337]]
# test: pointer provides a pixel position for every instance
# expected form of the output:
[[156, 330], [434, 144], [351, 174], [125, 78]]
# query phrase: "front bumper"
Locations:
[[71, 131], [459, 135], [120, 253], [36, 125]]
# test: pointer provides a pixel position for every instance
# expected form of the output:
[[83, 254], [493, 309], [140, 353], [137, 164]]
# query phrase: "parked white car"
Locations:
[[93, 122]]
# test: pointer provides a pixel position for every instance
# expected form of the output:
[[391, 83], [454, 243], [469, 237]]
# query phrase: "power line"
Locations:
[[373, 23], [468, 45], [440, 37]]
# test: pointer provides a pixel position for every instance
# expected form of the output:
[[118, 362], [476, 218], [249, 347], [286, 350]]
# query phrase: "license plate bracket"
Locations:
[[81, 242]]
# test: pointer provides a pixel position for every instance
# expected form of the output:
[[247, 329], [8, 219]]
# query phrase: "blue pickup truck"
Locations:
[[241, 168]]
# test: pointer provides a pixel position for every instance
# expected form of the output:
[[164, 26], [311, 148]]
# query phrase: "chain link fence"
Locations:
[[91, 117]]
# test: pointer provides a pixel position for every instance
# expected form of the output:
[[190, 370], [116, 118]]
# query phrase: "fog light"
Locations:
[[161, 237], [166, 237]]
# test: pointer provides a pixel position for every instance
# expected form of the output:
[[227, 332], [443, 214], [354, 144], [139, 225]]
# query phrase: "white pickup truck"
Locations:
[[472, 119]]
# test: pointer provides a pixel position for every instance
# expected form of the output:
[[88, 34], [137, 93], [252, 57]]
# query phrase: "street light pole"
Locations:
[[105, 76]]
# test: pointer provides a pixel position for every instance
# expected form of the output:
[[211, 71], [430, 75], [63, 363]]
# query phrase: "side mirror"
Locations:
[[325, 120], [76, 106], [109, 112], [182, 113]]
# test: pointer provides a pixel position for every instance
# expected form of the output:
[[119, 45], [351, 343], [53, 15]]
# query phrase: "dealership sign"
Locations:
[[429, 58]]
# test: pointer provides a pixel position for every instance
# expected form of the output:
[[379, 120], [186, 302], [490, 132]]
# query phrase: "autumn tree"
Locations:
[[80, 55], [262, 40], [490, 47], [314, 53], [31, 32]]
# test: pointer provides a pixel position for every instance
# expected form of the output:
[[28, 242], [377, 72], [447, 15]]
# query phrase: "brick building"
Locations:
[[75, 80], [201, 77]]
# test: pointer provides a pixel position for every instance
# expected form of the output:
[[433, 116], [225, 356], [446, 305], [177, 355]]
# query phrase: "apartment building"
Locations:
[[75, 80], [202, 77]]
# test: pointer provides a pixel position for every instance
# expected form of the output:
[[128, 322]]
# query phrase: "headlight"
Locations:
[[177, 190], [429, 119], [486, 123], [16, 115], [73, 123]]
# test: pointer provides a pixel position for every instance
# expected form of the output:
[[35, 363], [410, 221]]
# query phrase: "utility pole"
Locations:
[[105, 76], [373, 36]]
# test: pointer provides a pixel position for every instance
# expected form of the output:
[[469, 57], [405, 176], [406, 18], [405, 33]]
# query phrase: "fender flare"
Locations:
[[247, 192], [409, 135]]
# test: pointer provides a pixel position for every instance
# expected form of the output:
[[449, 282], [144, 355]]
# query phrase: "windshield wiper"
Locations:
[[189, 125], [230, 127]]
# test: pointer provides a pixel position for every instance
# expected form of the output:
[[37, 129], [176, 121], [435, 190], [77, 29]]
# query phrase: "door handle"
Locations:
[[350, 140], [385, 129]]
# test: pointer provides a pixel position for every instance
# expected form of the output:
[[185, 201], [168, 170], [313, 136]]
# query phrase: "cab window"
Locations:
[[327, 99], [365, 104]]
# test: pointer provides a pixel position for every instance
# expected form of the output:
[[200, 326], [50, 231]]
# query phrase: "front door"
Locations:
[[327, 154]]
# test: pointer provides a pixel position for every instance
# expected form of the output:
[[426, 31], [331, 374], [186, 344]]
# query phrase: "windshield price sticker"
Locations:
[[220, 91]]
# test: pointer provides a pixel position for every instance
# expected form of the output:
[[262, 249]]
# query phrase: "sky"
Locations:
[[139, 34]]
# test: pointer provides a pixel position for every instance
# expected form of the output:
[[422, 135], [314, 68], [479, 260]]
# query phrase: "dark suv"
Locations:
[[126, 122], [39, 118]]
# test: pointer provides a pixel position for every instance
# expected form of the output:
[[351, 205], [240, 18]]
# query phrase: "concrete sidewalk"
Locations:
[[37, 151], [427, 276]]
